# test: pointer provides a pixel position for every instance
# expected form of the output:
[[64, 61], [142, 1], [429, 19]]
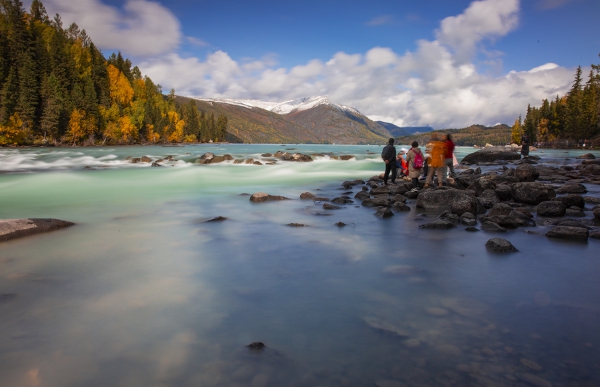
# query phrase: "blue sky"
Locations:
[[445, 63]]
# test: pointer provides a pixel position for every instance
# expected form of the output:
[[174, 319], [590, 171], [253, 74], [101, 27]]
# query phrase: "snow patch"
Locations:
[[285, 107]]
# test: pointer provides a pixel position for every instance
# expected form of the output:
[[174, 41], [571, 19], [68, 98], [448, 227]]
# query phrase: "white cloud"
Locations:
[[141, 27], [437, 84]]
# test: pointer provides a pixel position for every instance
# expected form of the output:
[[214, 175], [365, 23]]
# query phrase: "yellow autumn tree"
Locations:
[[152, 136], [121, 91], [129, 131], [516, 132], [175, 127], [13, 133]]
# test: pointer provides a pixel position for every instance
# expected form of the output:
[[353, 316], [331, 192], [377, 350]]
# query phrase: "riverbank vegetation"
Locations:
[[572, 120], [56, 87]]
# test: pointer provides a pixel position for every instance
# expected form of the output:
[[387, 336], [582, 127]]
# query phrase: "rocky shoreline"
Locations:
[[18, 228], [513, 193]]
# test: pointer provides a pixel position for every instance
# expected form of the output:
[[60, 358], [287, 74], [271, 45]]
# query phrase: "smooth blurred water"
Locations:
[[143, 292]]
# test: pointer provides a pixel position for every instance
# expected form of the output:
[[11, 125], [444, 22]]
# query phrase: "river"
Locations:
[[142, 291]]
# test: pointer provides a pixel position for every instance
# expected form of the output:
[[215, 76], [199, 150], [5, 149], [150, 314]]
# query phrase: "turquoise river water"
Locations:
[[142, 291]]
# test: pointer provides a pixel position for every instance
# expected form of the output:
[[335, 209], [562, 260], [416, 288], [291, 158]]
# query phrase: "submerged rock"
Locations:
[[551, 209], [532, 193], [17, 228], [438, 224], [256, 346], [499, 245], [384, 213], [569, 233], [307, 195]]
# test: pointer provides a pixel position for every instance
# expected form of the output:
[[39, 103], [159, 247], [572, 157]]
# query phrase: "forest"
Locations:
[[57, 88], [569, 121]]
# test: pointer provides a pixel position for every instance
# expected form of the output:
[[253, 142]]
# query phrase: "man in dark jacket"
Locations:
[[389, 157]]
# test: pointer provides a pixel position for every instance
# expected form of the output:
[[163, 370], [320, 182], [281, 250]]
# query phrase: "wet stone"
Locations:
[[499, 245], [329, 206]]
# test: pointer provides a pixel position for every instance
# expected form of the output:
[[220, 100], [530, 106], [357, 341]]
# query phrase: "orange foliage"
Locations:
[[80, 126], [12, 134]]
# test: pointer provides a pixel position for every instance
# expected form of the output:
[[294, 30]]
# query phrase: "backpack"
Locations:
[[418, 160]]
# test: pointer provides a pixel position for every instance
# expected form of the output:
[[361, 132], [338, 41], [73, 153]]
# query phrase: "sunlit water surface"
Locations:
[[143, 292]]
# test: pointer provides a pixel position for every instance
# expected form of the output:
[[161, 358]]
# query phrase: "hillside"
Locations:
[[308, 120], [399, 131], [472, 135]]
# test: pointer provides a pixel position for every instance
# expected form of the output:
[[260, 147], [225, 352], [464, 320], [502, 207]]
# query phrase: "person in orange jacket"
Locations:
[[437, 159]]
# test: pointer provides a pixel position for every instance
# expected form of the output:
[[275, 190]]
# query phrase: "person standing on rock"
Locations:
[[449, 162], [525, 145], [437, 161], [389, 157], [415, 160]]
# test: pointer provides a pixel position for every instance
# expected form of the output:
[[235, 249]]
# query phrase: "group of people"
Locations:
[[438, 159]]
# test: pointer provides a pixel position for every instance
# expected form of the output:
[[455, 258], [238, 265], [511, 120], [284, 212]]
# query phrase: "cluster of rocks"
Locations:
[[267, 158], [498, 200]]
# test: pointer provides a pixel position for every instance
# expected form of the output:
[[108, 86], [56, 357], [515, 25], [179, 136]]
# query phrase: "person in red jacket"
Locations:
[[449, 159]]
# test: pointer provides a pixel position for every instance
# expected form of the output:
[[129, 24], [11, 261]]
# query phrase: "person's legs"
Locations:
[[444, 173], [450, 163], [425, 169], [429, 176], [394, 172], [415, 182], [440, 175], [388, 167]]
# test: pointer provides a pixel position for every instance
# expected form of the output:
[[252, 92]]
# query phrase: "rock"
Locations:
[[571, 200], [532, 193], [296, 225], [362, 195], [347, 157], [307, 196], [513, 220], [135, 160], [449, 217], [145, 159], [500, 209], [492, 227], [489, 198], [572, 188], [384, 190], [575, 212], [156, 164], [7, 297], [216, 219], [587, 156], [329, 206], [482, 184], [438, 224], [249, 161], [341, 224], [238, 161], [597, 213], [264, 197], [442, 199], [591, 200], [595, 234], [551, 209], [569, 233], [301, 158], [266, 155], [400, 207], [499, 245], [320, 199], [535, 380], [342, 200], [504, 192], [490, 154], [256, 346], [526, 172], [257, 163], [468, 219], [472, 229], [399, 198], [384, 213], [376, 202], [18, 228]]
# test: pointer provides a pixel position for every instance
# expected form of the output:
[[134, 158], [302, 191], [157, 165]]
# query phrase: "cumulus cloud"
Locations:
[[140, 27], [437, 84]]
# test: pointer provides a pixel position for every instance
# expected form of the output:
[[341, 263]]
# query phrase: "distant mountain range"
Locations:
[[399, 131], [306, 120], [472, 135]]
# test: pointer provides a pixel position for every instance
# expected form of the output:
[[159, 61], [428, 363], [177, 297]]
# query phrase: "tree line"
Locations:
[[573, 119], [56, 87]]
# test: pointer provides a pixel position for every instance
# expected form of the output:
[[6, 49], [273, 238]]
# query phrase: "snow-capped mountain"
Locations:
[[305, 120], [285, 107]]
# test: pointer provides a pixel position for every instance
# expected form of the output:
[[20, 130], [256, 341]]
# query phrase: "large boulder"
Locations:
[[569, 233], [482, 184], [532, 193], [597, 213], [500, 209], [513, 220], [489, 155], [17, 228], [526, 172], [504, 192], [376, 202], [489, 198], [443, 199], [551, 209], [587, 156]]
